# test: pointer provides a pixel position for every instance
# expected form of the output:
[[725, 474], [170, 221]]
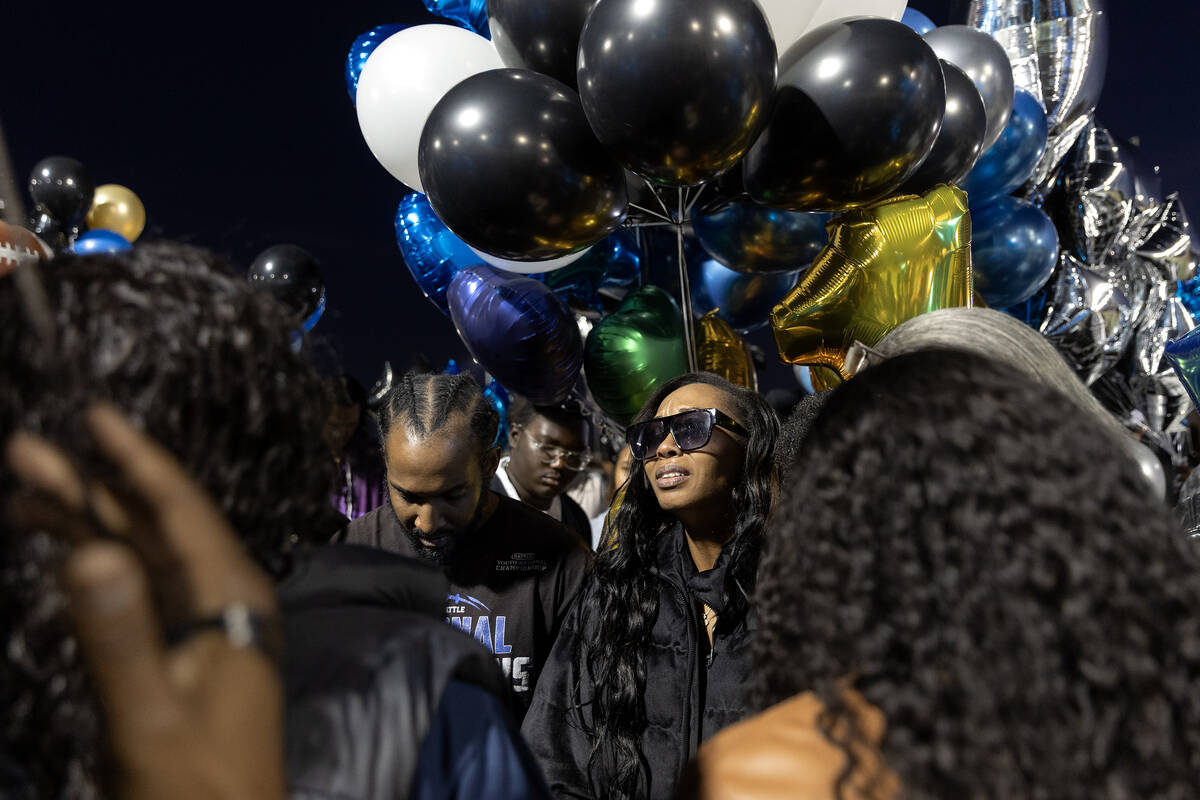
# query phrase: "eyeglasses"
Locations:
[[571, 459], [691, 430]]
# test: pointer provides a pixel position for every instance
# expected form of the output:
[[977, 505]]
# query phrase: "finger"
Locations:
[[36, 511], [217, 565], [42, 466], [119, 635]]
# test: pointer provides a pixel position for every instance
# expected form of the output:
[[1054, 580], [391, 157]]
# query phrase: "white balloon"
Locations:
[[831, 10], [788, 19], [530, 267], [404, 79]]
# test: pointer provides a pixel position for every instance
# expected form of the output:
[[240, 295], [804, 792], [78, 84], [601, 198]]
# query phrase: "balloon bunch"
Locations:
[[739, 126], [71, 212]]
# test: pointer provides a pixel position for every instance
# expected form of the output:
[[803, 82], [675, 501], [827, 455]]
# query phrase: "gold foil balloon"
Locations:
[[885, 264], [117, 209], [721, 351]]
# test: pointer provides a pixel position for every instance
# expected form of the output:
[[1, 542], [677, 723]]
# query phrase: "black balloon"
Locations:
[[677, 89], [50, 230], [541, 36], [62, 188], [511, 166], [960, 142], [859, 105], [291, 275]]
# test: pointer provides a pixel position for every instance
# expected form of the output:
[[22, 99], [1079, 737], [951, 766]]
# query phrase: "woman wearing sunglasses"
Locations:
[[654, 657]]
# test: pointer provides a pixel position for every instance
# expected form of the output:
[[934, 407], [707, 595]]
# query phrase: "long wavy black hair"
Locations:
[[179, 342], [620, 599], [984, 564]]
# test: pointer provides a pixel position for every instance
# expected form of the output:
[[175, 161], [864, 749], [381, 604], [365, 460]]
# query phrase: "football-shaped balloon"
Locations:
[[18, 245]]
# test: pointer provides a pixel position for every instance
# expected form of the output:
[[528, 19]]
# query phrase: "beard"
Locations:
[[445, 555]]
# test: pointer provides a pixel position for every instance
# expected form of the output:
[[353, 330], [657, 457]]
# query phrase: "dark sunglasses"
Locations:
[[691, 430]]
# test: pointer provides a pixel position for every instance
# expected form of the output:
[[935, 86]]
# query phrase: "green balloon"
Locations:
[[632, 351]]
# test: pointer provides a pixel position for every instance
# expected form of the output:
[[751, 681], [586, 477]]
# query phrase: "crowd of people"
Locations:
[[954, 576]]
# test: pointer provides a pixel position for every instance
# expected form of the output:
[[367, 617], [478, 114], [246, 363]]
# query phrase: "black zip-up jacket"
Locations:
[[689, 696]]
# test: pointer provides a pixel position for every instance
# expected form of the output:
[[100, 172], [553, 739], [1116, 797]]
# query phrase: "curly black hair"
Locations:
[[195, 357], [620, 598], [983, 563]]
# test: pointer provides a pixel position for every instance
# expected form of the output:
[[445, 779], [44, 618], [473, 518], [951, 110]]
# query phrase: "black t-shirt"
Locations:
[[512, 581]]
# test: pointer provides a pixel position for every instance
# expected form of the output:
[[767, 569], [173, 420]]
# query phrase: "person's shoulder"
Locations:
[[368, 528], [525, 527]]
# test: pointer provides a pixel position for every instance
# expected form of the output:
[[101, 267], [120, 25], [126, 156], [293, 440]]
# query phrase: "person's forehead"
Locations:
[[427, 465], [696, 395], [555, 432]]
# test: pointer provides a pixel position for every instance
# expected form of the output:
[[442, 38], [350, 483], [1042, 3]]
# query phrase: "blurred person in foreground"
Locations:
[[382, 699], [655, 655], [967, 593], [513, 571], [548, 448]]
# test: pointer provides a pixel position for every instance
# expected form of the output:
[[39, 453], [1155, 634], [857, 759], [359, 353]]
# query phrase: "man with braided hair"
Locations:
[[513, 571]]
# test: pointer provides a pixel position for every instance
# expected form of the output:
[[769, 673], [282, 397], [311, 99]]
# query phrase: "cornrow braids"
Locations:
[[424, 402]]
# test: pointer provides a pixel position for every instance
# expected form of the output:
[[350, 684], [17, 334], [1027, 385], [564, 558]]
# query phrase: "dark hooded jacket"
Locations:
[[690, 694], [378, 686]]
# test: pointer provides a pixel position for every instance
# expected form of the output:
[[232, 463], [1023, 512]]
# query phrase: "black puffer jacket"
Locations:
[[367, 661], [689, 697]]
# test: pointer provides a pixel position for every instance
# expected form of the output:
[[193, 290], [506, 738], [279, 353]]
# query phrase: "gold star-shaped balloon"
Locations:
[[884, 264], [721, 351]]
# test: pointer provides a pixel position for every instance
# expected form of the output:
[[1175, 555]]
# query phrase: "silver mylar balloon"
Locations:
[[1150, 467], [986, 64], [1059, 53], [1165, 240], [1088, 320], [1171, 321], [1099, 192]]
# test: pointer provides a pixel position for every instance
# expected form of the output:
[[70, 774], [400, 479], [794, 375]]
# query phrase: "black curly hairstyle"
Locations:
[[619, 602], [984, 564], [183, 345]]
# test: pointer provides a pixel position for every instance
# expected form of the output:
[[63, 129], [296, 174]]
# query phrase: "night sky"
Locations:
[[232, 123]]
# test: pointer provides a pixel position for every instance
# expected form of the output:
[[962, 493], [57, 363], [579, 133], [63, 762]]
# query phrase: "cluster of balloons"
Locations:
[[71, 212]]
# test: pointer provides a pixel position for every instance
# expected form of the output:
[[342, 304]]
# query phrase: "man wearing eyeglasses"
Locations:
[[548, 448]]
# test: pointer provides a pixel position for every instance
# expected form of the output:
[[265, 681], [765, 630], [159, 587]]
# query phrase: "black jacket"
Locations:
[[574, 518], [366, 664], [688, 697]]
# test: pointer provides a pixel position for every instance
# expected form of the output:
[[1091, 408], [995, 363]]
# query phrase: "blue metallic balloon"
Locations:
[[1189, 293], [1032, 311], [432, 252], [751, 238], [613, 263], [100, 241], [361, 50], [469, 14], [1013, 158], [917, 21], [1183, 354], [1014, 247], [744, 301], [518, 330], [497, 397]]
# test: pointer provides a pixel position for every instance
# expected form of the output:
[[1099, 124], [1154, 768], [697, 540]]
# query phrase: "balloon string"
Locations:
[[666, 212], [685, 292], [648, 212]]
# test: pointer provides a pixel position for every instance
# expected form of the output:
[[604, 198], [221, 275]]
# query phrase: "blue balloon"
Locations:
[[431, 251], [614, 263], [518, 330], [1012, 159], [497, 397], [917, 21], [744, 301], [361, 50], [1189, 293], [1015, 248], [751, 238], [469, 14], [100, 241]]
